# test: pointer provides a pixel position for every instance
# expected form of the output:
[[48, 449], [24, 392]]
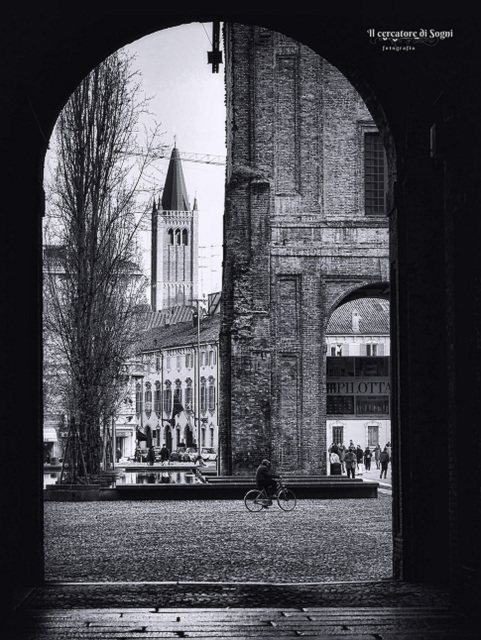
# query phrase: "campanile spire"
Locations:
[[174, 274]]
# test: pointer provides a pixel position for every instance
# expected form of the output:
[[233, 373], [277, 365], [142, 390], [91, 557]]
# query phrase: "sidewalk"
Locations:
[[374, 476]]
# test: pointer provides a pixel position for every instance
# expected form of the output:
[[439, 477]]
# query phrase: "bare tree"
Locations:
[[93, 289]]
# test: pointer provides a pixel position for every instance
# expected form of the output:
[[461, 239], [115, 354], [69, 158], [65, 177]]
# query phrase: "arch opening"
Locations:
[[368, 291]]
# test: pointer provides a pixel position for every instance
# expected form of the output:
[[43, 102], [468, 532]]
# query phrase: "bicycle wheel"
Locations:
[[252, 500], [286, 499]]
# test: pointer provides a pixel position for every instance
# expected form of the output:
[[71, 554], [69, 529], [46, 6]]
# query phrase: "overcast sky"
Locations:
[[188, 102]]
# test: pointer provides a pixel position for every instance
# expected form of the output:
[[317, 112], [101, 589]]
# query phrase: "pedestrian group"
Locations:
[[353, 458]]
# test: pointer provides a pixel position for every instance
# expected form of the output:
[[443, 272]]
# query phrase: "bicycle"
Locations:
[[257, 499]]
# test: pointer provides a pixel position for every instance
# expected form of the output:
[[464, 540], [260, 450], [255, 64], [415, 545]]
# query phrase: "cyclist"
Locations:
[[266, 479]]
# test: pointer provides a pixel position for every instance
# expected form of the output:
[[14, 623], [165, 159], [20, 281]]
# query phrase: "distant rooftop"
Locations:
[[373, 317], [179, 335]]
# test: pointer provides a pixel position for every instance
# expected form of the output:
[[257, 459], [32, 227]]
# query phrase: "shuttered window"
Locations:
[[375, 175]]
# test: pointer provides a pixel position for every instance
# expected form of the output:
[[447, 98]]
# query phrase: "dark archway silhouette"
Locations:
[[430, 102]]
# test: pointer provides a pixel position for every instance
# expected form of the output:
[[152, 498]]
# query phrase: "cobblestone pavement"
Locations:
[[217, 554], [218, 541], [212, 569]]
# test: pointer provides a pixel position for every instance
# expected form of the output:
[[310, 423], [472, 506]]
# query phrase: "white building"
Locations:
[[358, 374], [172, 386]]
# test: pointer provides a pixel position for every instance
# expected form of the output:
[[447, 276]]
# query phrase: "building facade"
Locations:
[[172, 387], [174, 242], [358, 383], [305, 230]]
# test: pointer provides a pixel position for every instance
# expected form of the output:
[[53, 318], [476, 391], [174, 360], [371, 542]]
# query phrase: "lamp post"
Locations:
[[138, 378], [198, 377], [196, 317]]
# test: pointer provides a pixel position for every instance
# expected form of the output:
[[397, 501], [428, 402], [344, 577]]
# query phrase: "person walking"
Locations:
[[335, 463], [377, 454], [199, 461], [367, 458], [334, 458], [164, 454], [384, 460], [342, 454], [333, 448], [389, 450], [350, 460], [151, 455], [359, 459]]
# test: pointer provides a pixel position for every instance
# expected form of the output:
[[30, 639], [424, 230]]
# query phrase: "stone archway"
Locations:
[[298, 235], [432, 95]]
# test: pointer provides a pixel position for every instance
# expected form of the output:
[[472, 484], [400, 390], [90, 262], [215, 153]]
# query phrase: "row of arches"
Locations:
[[178, 236], [153, 398]]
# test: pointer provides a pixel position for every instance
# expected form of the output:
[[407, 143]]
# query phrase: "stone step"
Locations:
[[416, 623]]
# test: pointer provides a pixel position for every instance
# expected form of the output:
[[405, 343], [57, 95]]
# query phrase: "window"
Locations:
[[372, 435], [338, 434], [340, 368], [184, 236], [372, 367], [203, 395], [189, 395], [374, 405], [337, 350], [168, 398], [138, 398], [337, 405], [170, 233], [179, 362], [157, 397], [177, 236], [148, 397], [178, 390], [188, 361], [371, 349], [211, 394], [375, 174]]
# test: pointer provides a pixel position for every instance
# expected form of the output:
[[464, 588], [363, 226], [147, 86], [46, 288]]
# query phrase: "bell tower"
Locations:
[[175, 240]]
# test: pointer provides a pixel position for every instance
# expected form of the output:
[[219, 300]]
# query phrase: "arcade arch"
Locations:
[[358, 385], [424, 531]]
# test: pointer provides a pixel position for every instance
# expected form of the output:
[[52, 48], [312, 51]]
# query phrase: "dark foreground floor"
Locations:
[[379, 611], [213, 570]]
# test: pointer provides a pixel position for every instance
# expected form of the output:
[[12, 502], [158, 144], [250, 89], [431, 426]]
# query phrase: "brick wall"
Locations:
[[296, 242]]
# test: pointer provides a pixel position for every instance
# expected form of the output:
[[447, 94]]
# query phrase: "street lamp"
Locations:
[[196, 318], [198, 377]]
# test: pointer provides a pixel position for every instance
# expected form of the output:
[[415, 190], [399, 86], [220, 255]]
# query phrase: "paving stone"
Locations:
[[213, 570]]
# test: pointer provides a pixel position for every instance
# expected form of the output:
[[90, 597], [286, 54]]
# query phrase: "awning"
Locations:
[[123, 432], [141, 436], [49, 434]]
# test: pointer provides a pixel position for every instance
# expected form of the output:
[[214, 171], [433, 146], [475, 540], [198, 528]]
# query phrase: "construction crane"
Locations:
[[204, 158]]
